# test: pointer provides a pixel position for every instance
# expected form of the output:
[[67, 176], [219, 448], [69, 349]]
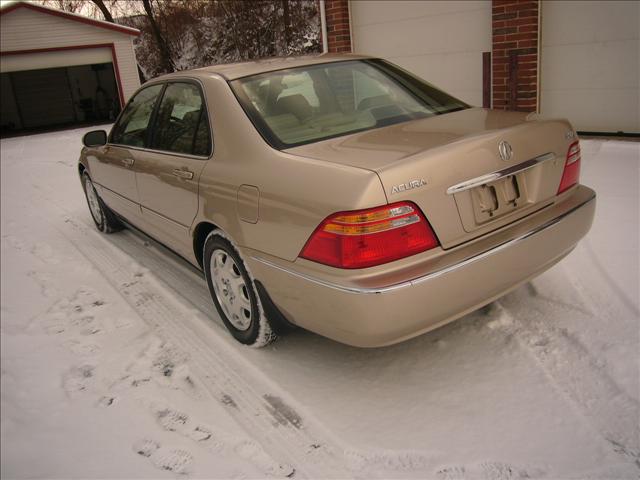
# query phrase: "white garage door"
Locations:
[[590, 62], [440, 41]]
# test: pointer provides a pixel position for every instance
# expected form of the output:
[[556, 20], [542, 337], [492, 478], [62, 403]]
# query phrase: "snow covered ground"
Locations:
[[115, 365]]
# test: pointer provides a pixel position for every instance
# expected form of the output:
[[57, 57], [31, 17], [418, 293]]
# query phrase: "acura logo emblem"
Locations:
[[505, 150]]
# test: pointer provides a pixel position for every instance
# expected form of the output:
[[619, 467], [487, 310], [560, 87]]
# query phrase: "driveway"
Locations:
[[115, 363]]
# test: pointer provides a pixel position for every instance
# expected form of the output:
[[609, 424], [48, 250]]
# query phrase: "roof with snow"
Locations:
[[70, 16]]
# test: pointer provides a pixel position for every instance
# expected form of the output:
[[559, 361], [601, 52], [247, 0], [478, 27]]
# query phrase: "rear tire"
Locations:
[[234, 293], [105, 220]]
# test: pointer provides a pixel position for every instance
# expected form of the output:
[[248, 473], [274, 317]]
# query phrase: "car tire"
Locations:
[[105, 220], [234, 293]]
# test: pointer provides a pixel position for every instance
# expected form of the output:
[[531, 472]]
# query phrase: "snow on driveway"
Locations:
[[115, 364]]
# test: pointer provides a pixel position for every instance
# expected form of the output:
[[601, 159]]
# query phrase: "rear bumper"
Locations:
[[394, 306]]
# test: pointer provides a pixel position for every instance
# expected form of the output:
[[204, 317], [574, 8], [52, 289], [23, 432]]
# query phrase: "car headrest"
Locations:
[[192, 117], [295, 104]]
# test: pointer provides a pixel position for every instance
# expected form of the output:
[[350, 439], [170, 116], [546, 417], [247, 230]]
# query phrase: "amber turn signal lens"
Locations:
[[365, 238]]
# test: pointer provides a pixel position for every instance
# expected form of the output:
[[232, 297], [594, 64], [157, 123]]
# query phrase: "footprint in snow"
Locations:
[[504, 471], [451, 473], [14, 242], [167, 365], [44, 281], [487, 471], [82, 348], [82, 314], [172, 420], [79, 379], [171, 459], [45, 252], [175, 421], [253, 452], [388, 460]]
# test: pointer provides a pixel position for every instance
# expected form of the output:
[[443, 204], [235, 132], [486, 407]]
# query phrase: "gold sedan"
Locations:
[[338, 193]]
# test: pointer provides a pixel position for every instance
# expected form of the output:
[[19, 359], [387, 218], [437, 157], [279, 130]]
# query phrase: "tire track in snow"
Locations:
[[250, 402], [574, 372]]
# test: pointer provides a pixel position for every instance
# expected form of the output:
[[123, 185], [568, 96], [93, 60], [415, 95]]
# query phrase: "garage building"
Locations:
[[60, 69]]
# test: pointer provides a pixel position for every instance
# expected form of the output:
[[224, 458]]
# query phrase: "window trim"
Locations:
[[164, 84]]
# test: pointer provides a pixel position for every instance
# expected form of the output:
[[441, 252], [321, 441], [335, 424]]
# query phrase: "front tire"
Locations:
[[105, 219], [234, 294]]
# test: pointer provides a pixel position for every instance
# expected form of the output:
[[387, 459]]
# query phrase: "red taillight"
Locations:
[[571, 172], [364, 238]]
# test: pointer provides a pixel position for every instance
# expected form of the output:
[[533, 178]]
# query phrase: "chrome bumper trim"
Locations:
[[492, 177], [437, 273]]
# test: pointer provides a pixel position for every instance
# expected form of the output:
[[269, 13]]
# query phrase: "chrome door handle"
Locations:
[[183, 174], [127, 162]]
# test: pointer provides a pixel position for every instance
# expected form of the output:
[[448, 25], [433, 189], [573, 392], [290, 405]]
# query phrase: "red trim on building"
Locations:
[[116, 69], [70, 16], [486, 79], [515, 64], [338, 26]]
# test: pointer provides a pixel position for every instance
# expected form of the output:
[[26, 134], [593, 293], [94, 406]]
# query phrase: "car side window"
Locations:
[[133, 124], [181, 124]]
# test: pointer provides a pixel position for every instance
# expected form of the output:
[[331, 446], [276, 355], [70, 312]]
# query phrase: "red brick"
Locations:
[[528, 28], [506, 45], [500, 3], [521, 6], [523, 21], [520, 36], [527, 43], [505, 30], [528, 58], [528, 13], [505, 16]]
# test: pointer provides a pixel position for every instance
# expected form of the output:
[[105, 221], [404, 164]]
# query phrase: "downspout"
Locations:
[[323, 27]]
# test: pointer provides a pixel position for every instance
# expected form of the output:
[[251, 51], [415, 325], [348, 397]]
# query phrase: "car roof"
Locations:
[[232, 71]]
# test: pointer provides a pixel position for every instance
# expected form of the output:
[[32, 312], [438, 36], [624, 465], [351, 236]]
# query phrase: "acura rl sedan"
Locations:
[[338, 193]]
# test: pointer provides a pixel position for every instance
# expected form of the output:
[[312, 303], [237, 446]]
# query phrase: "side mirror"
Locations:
[[95, 138]]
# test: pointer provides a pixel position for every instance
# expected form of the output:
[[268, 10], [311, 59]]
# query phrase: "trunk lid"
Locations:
[[451, 167]]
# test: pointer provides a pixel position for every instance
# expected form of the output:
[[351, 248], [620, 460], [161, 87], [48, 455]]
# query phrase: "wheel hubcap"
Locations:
[[231, 290], [92, 198]]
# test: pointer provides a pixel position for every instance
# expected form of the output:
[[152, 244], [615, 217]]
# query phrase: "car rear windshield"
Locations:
[[303, 105]]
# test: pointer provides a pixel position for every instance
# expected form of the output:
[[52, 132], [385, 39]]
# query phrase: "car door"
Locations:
[[113, 169], [167, 172]]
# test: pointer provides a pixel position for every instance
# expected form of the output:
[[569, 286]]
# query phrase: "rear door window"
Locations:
[[132, 127], [181, 124]]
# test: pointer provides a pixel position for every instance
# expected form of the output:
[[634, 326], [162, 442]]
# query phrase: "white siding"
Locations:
[[63, 58], [25, 29], [590, 64], [440, 41]]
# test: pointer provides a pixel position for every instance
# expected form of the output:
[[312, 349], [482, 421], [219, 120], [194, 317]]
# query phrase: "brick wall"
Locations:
[[515, 54], [338, 31]]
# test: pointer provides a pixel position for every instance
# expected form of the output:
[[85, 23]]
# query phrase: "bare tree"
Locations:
[[71, 6], [165, 53], [104, 10], [183, 34]]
